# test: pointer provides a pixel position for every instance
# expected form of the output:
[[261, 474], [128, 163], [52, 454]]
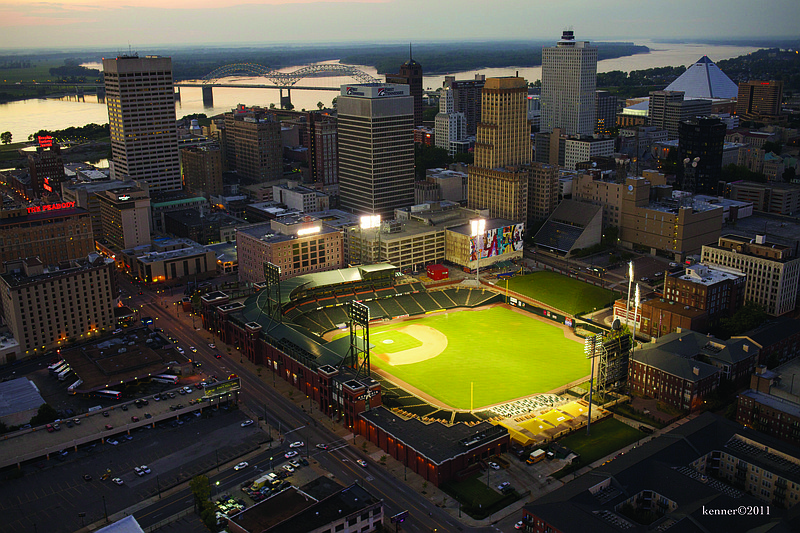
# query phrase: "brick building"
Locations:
[[681, 368]]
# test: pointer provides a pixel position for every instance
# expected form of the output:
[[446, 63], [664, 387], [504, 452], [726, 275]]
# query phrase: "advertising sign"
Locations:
[[497, 241]]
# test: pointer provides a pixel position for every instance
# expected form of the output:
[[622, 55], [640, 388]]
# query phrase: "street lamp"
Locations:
[[477, 228]]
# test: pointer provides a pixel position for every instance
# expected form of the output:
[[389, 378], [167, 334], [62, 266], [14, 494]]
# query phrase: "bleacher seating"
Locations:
[[307, 306], [392, 308], [425, 301], [409, 304], [385, 292], [558, 236], [309, 323], [459, 296], [442, 300], [375, 309], [417, 286], [365, 295], [338, 315]]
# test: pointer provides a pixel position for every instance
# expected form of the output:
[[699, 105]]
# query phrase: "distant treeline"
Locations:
[[15, 64], [442, 59], [434, 58], [74, 71], [79, 133]]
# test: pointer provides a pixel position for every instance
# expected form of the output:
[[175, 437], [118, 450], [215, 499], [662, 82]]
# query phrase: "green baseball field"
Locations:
[[504, 354], [570, 295]]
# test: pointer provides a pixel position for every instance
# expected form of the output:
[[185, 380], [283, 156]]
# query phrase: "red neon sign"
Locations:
[[50, 207], [45, 141]]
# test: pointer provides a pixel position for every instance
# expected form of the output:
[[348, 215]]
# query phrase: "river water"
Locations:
[[28, 116]]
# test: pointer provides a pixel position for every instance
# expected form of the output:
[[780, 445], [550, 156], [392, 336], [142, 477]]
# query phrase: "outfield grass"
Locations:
[[505, 355], [606, 437], [562, 292]]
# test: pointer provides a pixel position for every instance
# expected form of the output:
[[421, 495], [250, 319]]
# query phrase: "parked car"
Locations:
[[290, 454], [295, 463], [247, 423], [105, 414], [109, 426], [138, 471], [77, 421], [145, 469], [118, 481], [193, 349], [493, 466], [49, 428], [503, 485], [288, 468], [112, 442], [519, 525], [87, 477]]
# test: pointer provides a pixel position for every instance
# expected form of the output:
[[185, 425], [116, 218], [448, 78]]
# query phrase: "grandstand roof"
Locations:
[[704, 79], [565, 226], [331, 277]]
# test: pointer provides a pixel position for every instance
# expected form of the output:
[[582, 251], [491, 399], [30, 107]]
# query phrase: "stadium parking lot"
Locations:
[[52, 493]]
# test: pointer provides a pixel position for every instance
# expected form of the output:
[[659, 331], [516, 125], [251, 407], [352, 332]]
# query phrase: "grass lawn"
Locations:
[[477, 499], [607, 436], [505, 355], [567, 294]]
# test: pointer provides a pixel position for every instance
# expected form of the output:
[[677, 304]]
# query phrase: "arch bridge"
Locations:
[[280, 80]]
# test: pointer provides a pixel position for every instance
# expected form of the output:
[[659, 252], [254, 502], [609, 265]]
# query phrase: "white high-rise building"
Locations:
[[449, 126], [376, 148], [569, 78], [141, 113]]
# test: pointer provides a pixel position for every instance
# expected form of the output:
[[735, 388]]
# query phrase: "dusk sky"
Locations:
[[146, 23]]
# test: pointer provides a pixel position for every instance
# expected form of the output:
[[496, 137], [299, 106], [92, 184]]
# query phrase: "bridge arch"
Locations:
[[286, 79]]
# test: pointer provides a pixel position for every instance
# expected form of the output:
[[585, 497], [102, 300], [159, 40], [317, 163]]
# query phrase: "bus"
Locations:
[[71, 388], [52, 367], [110, 394], [169, 379], [64, 373], [60, 368]]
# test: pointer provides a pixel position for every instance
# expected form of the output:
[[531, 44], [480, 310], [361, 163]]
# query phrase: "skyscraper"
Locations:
[[467, 98], [376, 148], [410, 74], [141, 112], [252, 141], [759, 99], [569, 78], [498, 180], [700, 143], [449, 126]]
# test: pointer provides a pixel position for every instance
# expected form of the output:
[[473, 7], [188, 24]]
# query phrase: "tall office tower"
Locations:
[[449, 126], [252, 141], [759, 99], [542, 191], [202, 170], [605, 112], [467, 99], [141, 112], [701, 141], [569, 79], [498, 180], [376, 148], [320, 136], [410, 74], [657, 106]]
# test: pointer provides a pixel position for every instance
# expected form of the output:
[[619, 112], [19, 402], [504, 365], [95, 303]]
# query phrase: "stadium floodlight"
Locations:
[[309, 231], [477, 227], [370, 221]]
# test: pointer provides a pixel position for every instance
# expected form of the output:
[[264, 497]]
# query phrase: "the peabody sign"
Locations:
[[367, 395], [50, 207], [375, 91]]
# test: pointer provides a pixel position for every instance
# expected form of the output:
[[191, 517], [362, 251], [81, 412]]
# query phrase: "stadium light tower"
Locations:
[[477, 228], [628, 302], [635, 313]]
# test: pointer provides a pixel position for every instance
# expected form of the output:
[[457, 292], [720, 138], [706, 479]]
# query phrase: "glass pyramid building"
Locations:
[[704, 79]]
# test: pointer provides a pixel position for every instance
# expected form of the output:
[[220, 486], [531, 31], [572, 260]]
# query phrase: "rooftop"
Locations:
[[434, 441], [18, 395], [707, 275], [704, 79]]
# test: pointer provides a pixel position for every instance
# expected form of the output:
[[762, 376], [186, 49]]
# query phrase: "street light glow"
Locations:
[[477, 227]]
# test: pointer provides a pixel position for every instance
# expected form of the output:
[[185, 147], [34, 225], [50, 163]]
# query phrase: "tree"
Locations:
[[5, 137], [333, 102], [320, 105], [775, 148], [45, 415]]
